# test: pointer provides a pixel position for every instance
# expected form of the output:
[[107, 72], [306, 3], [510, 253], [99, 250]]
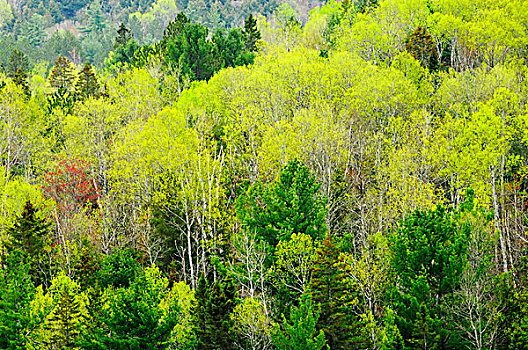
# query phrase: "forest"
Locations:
[[294, 176]]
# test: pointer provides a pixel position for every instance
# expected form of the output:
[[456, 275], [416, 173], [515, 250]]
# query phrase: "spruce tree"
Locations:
[[331, 291], [28, 236], [87, 85], [251, 33], [214, 326], [20, 79], [64, 324], [123, 36]]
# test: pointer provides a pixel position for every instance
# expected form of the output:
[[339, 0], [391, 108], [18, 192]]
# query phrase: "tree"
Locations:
[[63, 75], [87, 85], [214, 306], [16, 293], [299, 331], [331, 291], [428, 257], [123, 36], [17, 60], [28, 235], [251, 33], [20, 79], [421, 46], [289, 205], [140, 316], [252, 325]]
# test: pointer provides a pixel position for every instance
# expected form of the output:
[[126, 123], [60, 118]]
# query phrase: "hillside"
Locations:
[[352, 180]]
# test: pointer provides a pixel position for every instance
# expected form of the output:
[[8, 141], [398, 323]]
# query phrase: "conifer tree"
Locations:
[[65, 321], [289, 205], [28, 235], [20, 79], [330, 290], [299, 331], [17, 60], [421, 46], [251, 33], [214, 326], [123, 36], [87, 85], [63, 75], [16, 293]]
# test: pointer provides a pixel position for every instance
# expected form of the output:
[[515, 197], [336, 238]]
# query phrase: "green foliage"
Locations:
[[251, 33], [212, 312], [16, 292], [17, 60], [87, 85], [291, 204], [298, 332], [141, 315], [428, 260], [119, 269]]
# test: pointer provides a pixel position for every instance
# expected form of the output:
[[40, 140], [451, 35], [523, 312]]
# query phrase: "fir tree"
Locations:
[[64, 324]]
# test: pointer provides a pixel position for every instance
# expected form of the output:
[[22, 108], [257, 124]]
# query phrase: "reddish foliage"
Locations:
[[70, 185]]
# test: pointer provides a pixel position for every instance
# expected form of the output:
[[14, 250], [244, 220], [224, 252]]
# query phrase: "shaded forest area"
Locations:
[[352, 179]]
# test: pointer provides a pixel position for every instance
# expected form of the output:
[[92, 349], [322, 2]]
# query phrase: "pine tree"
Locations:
[[251, 33], [87, 85], [421, 46], [289, 205], [299, 332]]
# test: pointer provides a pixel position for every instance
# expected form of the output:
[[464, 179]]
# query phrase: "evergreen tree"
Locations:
[[428, 258], [16, 293], [87, 85], [251, 33], [20, 79], [66, 318], [421, 46], [214, 326], [332, 293], [28, 235], [123, 36], [63, 75], [289, 205], [299, 332], [17, 60]]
